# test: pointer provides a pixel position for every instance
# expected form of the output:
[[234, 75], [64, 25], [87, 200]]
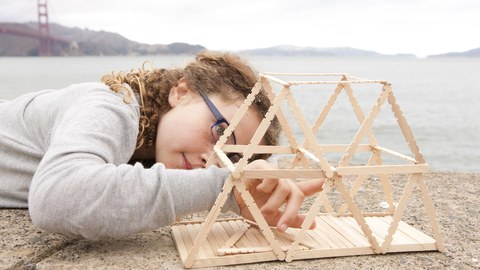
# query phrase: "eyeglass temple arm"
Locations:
[[218, 116]]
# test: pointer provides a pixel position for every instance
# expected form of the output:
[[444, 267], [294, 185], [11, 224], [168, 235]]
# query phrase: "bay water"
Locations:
[[439, 97]]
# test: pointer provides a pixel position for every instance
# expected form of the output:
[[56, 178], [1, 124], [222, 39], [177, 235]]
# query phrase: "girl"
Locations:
[[128, 155]]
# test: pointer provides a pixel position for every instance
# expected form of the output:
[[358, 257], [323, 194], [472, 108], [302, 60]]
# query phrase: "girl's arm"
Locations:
[[83, 186]]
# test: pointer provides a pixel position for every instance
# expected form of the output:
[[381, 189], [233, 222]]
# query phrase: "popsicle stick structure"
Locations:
[[341, 230]]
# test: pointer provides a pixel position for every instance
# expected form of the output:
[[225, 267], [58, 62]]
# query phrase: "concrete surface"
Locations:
[[455, 195]]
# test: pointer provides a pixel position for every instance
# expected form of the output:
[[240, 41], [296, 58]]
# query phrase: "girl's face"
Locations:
[[184, 138]]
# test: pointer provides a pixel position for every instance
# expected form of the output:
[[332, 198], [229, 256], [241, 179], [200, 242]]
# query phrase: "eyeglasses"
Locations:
[[218, 128]]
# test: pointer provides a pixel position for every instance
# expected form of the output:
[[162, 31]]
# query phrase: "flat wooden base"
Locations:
[[332, 237]]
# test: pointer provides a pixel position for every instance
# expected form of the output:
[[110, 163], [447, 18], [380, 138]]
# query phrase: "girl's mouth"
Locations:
[[186, 164]]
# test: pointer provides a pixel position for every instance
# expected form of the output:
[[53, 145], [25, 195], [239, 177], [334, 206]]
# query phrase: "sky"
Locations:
[[420, 27]]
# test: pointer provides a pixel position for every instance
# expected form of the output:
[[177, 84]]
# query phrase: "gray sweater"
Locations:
[[63, 154]]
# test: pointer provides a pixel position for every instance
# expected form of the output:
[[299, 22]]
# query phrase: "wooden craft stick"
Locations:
[[339, 233], [207, 225], [293, 237], [205, 251], [350, 77], [284, 234], [357, 215], [217, 235], [302, 74], [236, 236], [402, 205], [309, 136], [239, 114], [386, 185], [284, 173], [180, 241], [222, 156], [282, 119], [259, 133], [242, 241], [308, 221], [427, 201], [356, 186], [333, 82], [326, 109], [369, 214], [396, 154], [382, 169], [280, 115], [309, 154], [257, 215], [359, 113], [270, 149], [364, 127], [276, 80], [246, 250], [407, 132]]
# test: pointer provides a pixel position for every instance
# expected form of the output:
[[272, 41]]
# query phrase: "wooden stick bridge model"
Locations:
[[340, 231]]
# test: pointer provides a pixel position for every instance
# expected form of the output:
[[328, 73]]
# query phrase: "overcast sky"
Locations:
[[421, 27]]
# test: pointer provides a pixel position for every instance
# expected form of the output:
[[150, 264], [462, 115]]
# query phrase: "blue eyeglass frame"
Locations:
[[216, 113]]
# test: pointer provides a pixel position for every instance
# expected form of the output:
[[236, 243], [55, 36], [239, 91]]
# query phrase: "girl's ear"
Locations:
[[179, 93]]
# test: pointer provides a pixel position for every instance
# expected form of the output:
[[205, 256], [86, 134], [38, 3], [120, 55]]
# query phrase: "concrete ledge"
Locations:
[[455, 195]]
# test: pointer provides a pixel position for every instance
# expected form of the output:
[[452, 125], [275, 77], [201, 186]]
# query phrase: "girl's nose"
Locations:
[[207, 155]]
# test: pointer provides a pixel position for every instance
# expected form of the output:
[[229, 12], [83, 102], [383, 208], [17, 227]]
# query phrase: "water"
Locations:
[[438, 96]]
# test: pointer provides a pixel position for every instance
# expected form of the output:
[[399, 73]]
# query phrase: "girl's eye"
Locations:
[[234, 157], [217, 131], [220, 131]]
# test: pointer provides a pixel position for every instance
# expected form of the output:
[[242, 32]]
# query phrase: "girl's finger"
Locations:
[[268, 185], [298, 221], [310, 187], [277, 197], [292, 207]]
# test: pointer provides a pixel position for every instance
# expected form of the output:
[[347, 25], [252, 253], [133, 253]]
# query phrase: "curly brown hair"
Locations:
[[215, 73]]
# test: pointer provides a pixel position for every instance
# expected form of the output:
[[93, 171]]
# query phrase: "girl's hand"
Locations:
[[271, 193]]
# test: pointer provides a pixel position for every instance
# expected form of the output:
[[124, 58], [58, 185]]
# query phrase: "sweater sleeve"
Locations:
[[82, 186]]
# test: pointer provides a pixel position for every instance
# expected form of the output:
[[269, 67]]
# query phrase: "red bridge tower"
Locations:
[[45, 46]]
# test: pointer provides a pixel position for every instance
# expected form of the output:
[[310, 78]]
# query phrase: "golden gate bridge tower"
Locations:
[[45, 46], [48, 44]]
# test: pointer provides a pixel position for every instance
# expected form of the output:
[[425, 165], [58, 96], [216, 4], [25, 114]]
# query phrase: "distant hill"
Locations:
[[77, 42], [83, 42], [469, 53], [291, 50]]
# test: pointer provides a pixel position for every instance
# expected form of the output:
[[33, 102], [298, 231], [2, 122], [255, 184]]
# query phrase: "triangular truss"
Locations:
[[340, 232]]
